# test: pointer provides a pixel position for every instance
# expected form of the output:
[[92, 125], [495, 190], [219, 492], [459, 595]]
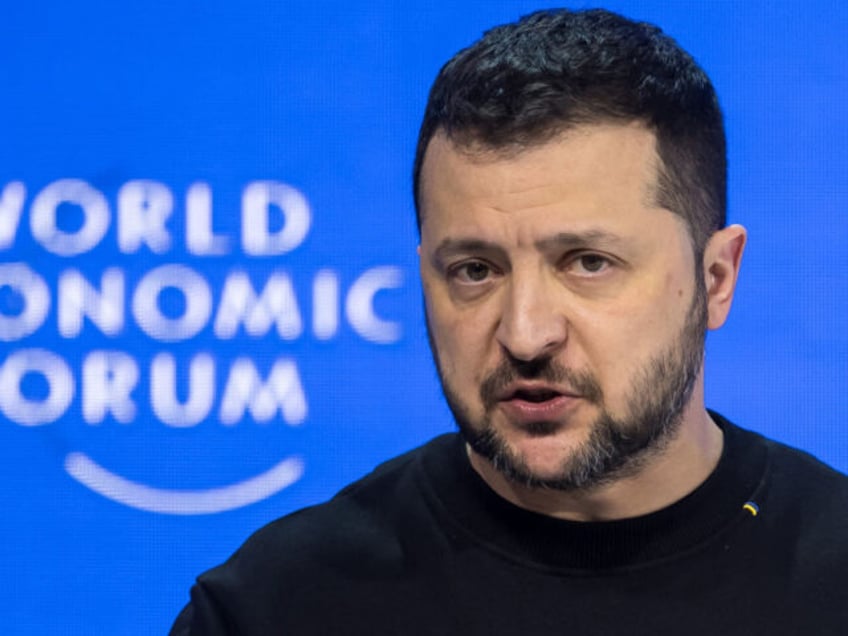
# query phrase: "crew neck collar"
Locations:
[[548, 542]]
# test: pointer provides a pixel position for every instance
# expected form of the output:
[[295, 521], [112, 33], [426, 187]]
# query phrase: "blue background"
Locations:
[[327, 97]]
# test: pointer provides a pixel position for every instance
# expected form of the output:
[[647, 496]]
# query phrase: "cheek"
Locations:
[[460, 338], [442, 327], [617, 341], [458, 345]]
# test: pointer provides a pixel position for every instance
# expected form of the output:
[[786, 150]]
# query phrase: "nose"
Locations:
[[532, 322]]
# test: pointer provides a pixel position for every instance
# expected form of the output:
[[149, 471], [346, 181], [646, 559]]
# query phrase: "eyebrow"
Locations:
[[561, 240], [450, 246], [587, 238]]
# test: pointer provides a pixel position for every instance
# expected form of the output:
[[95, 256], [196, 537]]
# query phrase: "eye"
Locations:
[[590, 263], [471, 272]]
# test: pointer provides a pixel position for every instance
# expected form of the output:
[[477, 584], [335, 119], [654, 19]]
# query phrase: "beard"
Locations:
[[616, 447]]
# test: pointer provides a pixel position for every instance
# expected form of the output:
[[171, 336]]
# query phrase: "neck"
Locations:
[[665, 477]]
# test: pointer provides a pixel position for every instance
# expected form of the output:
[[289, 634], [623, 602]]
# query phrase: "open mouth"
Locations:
[[528, 407], [534, 395]]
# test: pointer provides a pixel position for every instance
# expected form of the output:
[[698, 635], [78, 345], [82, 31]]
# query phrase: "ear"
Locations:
[[722, 259]]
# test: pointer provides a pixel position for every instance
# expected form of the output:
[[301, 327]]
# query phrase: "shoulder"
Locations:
[[326, 555], [359, 528], [803, 508], [812, 482], [806, 510], [794, 539], [812, 496], [794, 475]]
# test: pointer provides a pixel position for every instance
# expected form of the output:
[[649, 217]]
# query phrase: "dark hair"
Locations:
[[523, 83]]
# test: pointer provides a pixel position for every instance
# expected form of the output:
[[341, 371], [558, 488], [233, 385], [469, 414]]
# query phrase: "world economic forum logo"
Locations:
[[142, 313]]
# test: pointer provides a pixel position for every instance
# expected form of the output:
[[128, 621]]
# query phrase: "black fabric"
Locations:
[[423, 546]]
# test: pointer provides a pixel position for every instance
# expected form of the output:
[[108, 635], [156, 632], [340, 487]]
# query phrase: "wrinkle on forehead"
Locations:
[[506, 194]]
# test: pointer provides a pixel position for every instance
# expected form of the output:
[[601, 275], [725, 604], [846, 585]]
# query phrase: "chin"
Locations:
[[536, 455], [547, 455]]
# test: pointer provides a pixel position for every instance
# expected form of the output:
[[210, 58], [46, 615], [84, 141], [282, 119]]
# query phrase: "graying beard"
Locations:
[[614, 450]]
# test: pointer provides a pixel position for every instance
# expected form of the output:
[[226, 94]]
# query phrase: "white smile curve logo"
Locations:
[[183, 502]]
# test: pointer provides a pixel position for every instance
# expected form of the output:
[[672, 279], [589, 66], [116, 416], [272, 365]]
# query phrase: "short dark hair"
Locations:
[[523, 83]]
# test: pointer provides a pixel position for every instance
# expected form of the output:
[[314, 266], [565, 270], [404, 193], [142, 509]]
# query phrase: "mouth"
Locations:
[[528, 405], [533, 395]]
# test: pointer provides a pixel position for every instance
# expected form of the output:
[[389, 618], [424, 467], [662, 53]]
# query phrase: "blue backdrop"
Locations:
[[209, 306]]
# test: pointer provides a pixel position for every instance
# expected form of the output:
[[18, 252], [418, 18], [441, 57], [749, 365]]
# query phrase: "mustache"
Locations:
[[546, 369]]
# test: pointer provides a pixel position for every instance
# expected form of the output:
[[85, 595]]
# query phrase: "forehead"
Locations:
[[589, 171]]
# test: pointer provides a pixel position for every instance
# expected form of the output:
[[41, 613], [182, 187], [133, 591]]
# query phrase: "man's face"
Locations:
[[561, 302]]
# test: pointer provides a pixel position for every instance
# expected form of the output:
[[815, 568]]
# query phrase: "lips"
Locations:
[[533, 392], [534, 395], [528, 403]]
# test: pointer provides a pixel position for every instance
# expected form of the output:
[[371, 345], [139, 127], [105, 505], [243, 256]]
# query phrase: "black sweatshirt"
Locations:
[[423, 546]]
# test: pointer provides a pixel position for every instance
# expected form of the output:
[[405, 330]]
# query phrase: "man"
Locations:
[[570, 187]]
